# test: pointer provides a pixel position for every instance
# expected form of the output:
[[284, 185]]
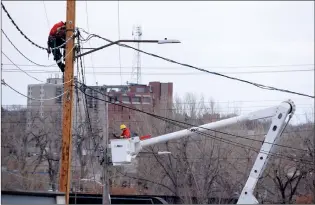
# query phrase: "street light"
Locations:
[[165, 41]]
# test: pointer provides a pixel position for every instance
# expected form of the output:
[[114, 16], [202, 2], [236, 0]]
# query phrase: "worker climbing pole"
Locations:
[[56, 41]]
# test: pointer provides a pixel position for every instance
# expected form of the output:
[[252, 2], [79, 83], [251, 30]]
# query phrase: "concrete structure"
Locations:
[[146, 97]]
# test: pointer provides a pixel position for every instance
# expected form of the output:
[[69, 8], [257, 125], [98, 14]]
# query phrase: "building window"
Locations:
[[58, 92], [125, 99], [136, 99], [146, 100], [95, 106], [140, 90]]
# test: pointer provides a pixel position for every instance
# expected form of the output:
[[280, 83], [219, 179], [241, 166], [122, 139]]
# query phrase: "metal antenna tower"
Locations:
[[136, 67]]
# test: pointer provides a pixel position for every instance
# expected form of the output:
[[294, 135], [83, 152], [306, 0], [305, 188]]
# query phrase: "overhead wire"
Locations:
[[179, 111], [16, 26], [119, 53], [258, 85], [177, 124], [33, 76], [85, 100], [32, 42], [209, 67], [203, 70], [242, 145], [171, 74], [4, 83], [47, 19], [81, 62], [88, 27], [176, 121], [60, 60], [213, 137]]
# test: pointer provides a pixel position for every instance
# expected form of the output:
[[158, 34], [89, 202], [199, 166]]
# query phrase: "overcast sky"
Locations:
[[214, 35]]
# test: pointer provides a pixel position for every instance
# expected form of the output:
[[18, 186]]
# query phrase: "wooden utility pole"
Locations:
[[105, 182], [64, 179]]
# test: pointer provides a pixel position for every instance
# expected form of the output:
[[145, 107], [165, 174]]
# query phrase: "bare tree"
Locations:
[[291, 173], [16, 143]]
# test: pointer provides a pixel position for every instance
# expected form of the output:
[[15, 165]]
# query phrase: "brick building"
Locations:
[[145, 97]]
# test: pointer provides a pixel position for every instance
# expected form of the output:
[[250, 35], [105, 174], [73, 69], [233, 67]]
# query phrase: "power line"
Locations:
[[177, 74], [119, 54], [20, 51], [35, 44], [210, 72], [13, 22], [31, 75], [46, 14], [207, 108], [88, 27], [171, 120], [180, 67], [81, 62], [30, 59], [23, 54], [251, 135], [178, 109], [242, 145], [4, 83], [88, 118]]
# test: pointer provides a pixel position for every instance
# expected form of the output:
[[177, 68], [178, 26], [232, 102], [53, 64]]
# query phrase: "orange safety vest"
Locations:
[[125, 133]]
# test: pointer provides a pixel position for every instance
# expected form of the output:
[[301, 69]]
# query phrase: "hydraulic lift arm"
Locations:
[[124, 150]]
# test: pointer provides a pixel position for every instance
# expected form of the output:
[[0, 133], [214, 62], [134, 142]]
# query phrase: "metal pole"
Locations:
[[116, 42], [106, 194], [64, 179], [313, 169]]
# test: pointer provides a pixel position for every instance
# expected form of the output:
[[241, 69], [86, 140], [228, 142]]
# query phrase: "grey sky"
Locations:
[[213, 34]]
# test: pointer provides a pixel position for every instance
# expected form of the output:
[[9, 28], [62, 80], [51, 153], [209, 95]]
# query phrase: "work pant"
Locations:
[[56, 42]]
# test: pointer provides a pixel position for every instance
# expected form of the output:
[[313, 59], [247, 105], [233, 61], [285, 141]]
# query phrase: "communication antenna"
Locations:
[[136, 67]]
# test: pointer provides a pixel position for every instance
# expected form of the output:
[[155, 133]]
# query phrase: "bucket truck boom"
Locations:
[[124, 150]]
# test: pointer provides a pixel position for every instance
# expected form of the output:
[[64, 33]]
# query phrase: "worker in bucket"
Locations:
[[56, 38], [125, 132]]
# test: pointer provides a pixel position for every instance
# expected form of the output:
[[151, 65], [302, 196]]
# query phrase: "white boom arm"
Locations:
[[124, 150]]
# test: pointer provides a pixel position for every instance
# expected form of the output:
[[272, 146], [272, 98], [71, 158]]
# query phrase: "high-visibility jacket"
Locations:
[[125, 133], [54, 30]]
